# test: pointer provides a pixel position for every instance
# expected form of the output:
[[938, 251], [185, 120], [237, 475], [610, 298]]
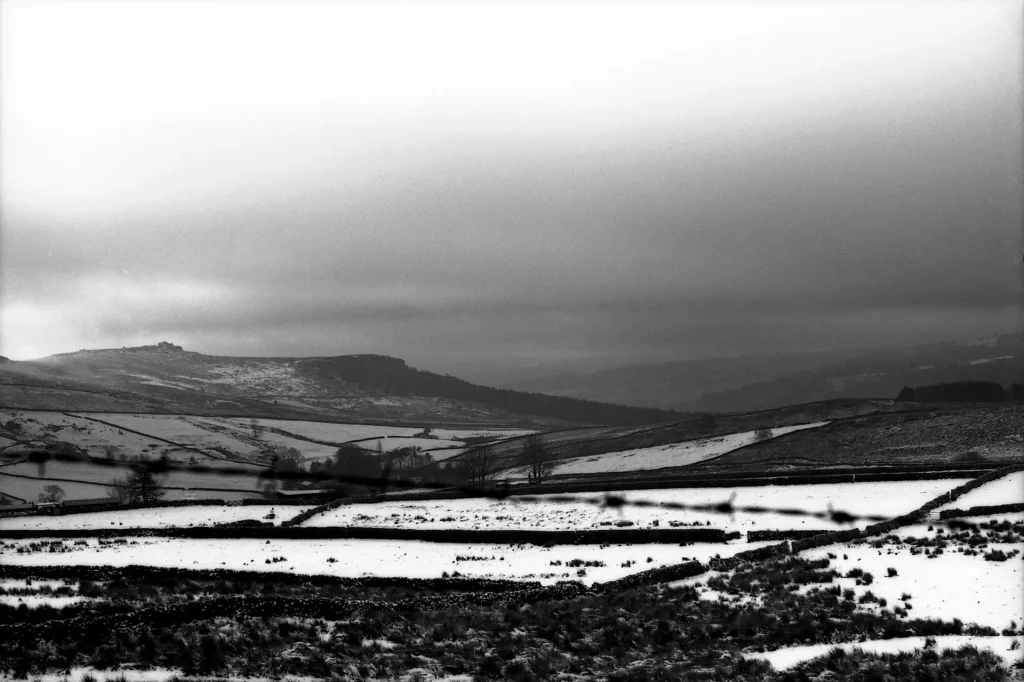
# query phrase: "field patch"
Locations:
[[888, 498], [790, 657], [1005, 490], [83, 480], [663, 456], [331, 433], [395, 442], [159, 517], [494, 434], [946, 573], [378, 558]]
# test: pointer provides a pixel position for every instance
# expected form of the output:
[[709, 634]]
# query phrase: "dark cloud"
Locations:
[[813, 216]]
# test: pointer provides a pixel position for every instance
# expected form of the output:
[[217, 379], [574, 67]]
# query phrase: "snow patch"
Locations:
[[784, 659]]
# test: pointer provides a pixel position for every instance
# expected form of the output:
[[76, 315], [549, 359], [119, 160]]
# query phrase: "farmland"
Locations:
[[666, 456], [910, 600], [889, 498], [279, 594], [191, 440]]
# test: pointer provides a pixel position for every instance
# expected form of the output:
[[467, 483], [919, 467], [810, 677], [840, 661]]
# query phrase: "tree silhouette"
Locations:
[[539, 462], [52, 493]]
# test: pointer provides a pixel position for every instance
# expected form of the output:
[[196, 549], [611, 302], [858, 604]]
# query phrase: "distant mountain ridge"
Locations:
[[765, 382], [165, 377]]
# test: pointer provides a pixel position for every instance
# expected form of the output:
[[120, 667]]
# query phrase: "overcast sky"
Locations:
[[485, 184]]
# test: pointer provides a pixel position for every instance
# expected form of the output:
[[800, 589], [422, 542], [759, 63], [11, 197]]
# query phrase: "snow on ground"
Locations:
[[94, 479], [784, 659], [160, 517], [164, 674], [88, 435], [36, 584], [662, 456], [170, 427], [332, 433], [76, 675], [447, 453], [387, 558], [308, 450], [34, 601], [261, 377], [949, 586], [1005, 490], [395, 442], [888, 498], [496, 434]]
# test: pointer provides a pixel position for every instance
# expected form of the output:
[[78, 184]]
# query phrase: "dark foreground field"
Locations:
[[259, 628]]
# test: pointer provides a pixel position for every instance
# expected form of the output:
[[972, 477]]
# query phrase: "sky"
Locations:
[[484, 186]]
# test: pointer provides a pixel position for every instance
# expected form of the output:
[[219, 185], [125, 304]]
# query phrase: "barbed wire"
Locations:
[[268, 473]]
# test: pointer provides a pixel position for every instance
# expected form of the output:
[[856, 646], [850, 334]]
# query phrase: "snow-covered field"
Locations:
[[28, 593], [386, 558], [331, 433], [308, 450], [784, 659], [94, 480], [160, 517], [34, 601], [175, 428], [662, 456], [1005, 490], [947, 587], [496, 434], [36, 584], [393, 443], [90, 436], [887, 498], [118, 675]]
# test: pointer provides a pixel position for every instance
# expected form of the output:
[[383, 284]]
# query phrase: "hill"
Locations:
[[568, 444], [768, 381], [965, 433], [165, 378]]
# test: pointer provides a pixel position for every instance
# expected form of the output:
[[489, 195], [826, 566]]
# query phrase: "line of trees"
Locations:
[[963, 392], [476, 467], [139, 485], [479, 466]]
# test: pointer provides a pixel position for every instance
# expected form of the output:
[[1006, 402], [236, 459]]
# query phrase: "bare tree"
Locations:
[[117, 490], [479, 466], [140, 485], [52, 493], [257, 428], [539, 462], [286, 460]]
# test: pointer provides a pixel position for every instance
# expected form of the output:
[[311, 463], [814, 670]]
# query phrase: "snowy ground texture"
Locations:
[[784, 659], [662, 456], [385, 558], [77, 674], [952, 585], [160, 517], [887, 498], [1006, 490]]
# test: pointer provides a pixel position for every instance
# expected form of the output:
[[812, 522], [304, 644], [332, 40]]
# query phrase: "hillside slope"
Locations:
[[765, 382], [168, 379], [590, 442], [934, 435], [883, 374]]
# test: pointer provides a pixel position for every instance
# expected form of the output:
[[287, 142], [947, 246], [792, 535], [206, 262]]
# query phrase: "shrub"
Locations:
[[892, 572]]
